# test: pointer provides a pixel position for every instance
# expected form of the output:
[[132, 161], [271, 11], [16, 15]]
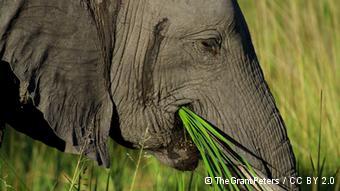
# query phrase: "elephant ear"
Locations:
[[55, 50]]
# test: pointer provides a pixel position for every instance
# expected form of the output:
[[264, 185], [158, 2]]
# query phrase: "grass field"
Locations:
[[298, 45]]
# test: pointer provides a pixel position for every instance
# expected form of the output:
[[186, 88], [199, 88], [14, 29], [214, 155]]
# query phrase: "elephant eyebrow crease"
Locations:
[[151, 59]]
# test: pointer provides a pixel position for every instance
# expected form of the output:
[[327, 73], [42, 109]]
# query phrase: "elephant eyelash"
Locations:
[[204, 46], [211, 45]]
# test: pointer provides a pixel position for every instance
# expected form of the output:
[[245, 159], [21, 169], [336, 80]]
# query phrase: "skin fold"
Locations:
[[89, 70]]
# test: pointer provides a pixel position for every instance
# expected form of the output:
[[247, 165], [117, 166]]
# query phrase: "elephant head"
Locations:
[[122, 68]]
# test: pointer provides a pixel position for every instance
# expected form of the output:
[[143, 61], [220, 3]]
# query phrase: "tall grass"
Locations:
[[298, 45]]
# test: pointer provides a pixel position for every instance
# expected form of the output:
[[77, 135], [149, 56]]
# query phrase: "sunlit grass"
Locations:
[[298, 45], [297, 42]]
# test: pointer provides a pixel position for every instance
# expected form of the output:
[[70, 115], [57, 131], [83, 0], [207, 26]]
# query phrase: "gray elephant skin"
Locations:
[[76, 72]]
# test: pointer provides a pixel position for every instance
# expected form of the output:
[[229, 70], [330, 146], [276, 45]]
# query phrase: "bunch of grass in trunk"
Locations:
[[219, 158]]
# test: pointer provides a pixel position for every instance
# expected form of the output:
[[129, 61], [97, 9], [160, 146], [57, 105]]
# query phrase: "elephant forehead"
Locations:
[[186, 15]]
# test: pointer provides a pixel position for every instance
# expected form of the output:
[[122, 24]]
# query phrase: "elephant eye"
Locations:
[[211, 45]]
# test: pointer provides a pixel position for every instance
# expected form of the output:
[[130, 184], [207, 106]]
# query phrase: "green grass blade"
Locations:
[[208, 141]]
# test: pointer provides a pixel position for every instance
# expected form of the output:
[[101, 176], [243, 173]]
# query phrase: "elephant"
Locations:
[[75, 73]]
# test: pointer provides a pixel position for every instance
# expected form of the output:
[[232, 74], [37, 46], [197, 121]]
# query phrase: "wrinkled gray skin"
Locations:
[[94, 69]]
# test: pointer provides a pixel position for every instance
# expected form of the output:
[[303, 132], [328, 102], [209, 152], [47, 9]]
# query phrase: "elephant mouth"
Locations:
[[181, 153]]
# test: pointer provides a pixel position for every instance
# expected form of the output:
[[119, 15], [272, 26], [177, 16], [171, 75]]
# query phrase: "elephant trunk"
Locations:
[[245, 110], [267, 135]]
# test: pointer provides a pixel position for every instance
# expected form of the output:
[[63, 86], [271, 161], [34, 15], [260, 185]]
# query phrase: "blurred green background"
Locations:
[[298, 45]]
